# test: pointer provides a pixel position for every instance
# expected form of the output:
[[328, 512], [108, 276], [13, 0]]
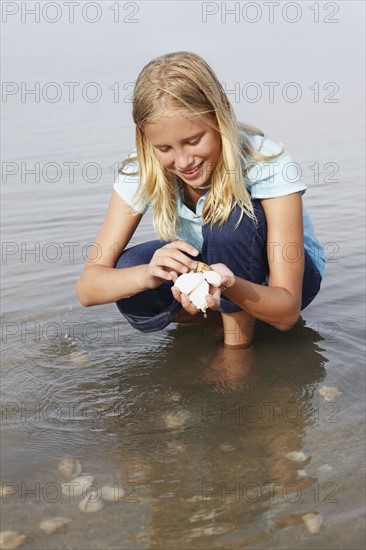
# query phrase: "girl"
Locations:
[[221, 193]]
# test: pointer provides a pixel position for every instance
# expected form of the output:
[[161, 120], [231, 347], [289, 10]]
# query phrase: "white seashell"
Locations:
[[113, 494], [198, 296], [176, 420], [173, 397], [79, 357], [69, 467], [10, 540], [187, 282], [196, 286], [213, 278], [313, 522], [329, 392], [91, 503], [51, 525], [325, 468], [227, 447], [76, 486], [297, 456]]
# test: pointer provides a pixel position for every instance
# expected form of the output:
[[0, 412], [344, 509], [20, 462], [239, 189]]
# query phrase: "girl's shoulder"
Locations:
[[127, 183], [261, 143], [274, 175]]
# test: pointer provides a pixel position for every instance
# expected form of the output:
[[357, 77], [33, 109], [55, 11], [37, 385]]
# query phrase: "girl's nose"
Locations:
[[184, 161]]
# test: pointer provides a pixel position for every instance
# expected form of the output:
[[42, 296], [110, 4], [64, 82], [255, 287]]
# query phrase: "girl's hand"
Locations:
[[228, 277], [213, 299], [169, 262]]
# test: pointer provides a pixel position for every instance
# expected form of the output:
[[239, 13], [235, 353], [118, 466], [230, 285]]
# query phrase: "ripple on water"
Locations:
[[197, 437]]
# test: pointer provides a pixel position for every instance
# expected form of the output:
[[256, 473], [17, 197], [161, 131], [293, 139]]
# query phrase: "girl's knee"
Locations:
[[139, 254]]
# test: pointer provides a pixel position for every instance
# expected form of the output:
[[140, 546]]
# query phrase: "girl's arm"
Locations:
[[101, 283], [278, 303]]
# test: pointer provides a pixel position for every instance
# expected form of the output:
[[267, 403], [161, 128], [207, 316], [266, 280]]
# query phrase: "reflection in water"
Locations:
[[209, 443], [215, 449], [233, 369], [237, 477]]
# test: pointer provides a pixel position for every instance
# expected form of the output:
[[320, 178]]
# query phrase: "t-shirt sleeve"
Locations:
[[126, 186], [273, 178]]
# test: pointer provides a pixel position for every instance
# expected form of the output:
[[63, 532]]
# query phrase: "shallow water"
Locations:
[[197, 435]]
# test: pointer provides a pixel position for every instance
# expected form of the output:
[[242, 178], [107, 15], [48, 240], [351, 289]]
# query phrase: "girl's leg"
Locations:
[[238, 329], [244, 251], [311, 282]]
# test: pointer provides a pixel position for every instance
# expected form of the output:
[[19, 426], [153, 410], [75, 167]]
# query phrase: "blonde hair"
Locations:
[[183, 83]]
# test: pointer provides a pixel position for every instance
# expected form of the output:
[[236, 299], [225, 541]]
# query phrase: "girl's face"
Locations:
[[187, 147]]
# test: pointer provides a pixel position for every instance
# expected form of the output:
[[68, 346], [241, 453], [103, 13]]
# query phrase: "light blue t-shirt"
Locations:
[[275, 178]]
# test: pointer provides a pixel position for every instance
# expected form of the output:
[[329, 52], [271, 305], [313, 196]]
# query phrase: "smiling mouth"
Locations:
[[192, 171]]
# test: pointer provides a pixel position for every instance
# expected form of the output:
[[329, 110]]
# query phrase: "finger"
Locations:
[[227, 281], [171, 265], [161, 274], [175, 260], [212, 303], [224, 281], [216, 294], [176, 293], [173, 275], [187, 304], [185, 247], [184, 300]]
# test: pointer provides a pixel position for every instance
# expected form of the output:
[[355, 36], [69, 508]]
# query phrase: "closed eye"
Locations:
[[194, 142]]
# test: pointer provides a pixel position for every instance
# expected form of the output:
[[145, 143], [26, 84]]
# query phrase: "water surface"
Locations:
[[199, 436]]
